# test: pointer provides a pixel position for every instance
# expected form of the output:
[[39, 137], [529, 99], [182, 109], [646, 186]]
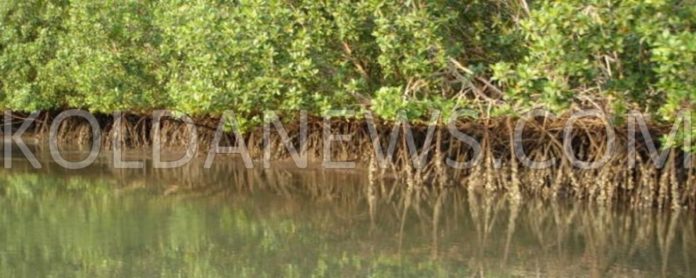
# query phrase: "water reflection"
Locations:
[[282, 221]]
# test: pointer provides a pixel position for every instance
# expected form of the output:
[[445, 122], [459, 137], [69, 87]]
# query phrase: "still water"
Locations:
[[229, 221]]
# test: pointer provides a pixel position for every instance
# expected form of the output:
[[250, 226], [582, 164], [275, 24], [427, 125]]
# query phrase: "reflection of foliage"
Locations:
[[30, 187], [78, 226], [55, 225]]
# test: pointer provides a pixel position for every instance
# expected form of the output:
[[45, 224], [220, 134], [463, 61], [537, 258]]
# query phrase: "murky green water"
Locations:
[[232, 222]]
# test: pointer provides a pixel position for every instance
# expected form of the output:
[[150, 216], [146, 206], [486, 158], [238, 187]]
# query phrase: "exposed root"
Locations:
[[499, 168]]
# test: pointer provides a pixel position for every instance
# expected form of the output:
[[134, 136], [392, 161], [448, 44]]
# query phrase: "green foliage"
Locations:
[[627, 53], [248, 56], [204, 57], [111, 56], [622, 55], [30, 32]]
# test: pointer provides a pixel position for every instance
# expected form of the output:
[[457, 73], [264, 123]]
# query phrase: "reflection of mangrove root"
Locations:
[[496, 166]]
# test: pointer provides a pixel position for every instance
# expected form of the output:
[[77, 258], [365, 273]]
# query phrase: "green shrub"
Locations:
[[204, 57]]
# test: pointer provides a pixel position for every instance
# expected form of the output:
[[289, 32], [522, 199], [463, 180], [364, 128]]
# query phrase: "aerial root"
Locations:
[[494, 168]]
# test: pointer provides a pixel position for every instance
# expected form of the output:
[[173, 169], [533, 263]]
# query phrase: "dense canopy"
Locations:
[[204, 57]]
